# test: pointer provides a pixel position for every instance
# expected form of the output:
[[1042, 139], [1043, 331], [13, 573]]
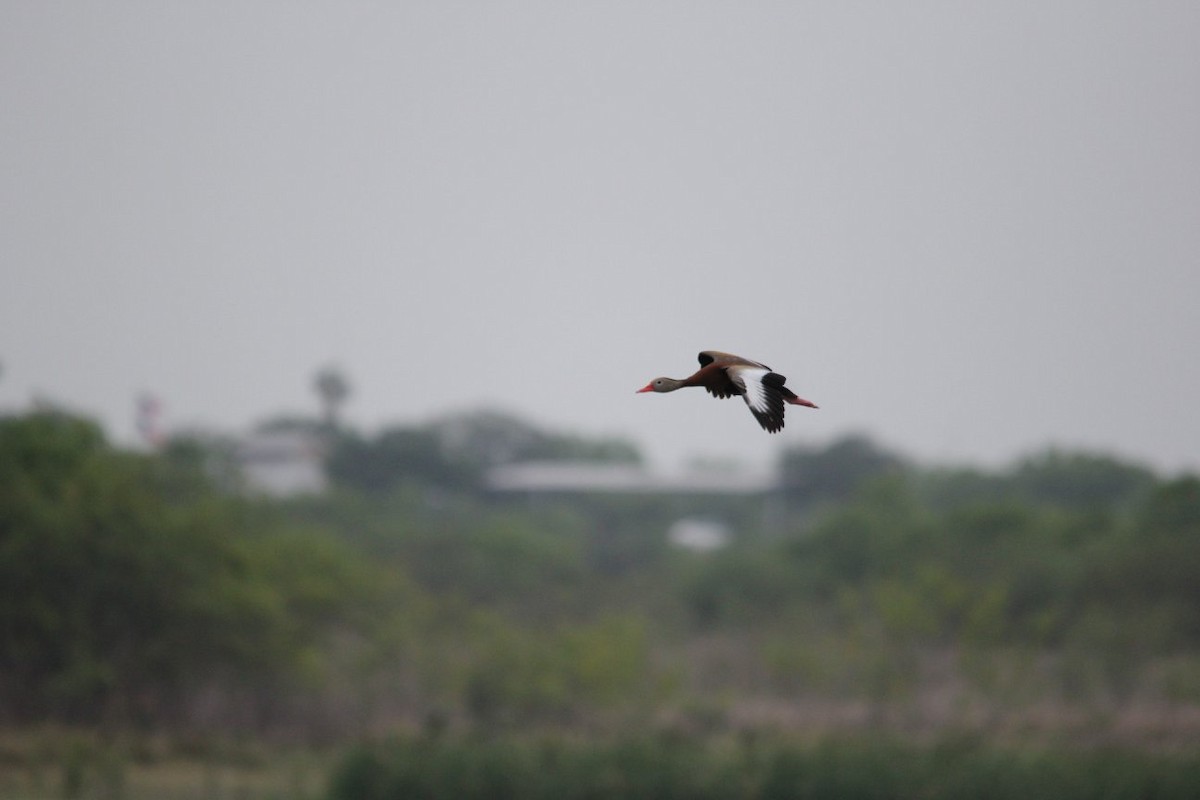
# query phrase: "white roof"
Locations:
[[582, 476]]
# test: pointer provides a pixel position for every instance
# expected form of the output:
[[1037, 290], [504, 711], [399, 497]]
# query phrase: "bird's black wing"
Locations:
[[768, 408]]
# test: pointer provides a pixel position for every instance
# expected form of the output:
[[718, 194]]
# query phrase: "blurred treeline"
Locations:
[[145, 591]]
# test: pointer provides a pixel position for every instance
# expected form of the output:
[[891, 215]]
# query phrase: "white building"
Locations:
[[282, 463], [539, 477]]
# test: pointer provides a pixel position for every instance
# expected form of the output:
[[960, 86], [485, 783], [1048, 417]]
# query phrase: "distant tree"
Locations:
[[126, 581], [1172, 510], [288, 423], [567, 447], [1079, 480], [201, 461], [333, 389], [484, 439], [836, 471], [1154, 566], [955, 487], [456, 451], [396, 456]]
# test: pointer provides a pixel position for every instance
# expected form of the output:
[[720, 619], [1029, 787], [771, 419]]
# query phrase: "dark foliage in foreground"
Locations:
[[668, 767]]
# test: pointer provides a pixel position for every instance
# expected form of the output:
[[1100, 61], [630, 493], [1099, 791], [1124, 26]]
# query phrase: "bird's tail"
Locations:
[[790, 396]]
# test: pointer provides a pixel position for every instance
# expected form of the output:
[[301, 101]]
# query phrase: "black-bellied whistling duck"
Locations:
[[726, 375]]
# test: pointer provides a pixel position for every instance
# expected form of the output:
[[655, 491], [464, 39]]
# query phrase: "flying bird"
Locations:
[[725, 375]]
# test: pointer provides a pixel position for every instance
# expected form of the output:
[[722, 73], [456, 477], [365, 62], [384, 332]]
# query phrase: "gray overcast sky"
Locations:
[[970, 229]]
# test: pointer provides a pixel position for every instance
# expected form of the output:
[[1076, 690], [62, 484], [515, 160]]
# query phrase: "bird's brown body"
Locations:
[[726, 375]]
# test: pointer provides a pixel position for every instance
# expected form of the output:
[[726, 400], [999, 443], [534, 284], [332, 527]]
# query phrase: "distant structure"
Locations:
[[148, 420], [545, 477], [282, 463], [699, 534], [535, 479]]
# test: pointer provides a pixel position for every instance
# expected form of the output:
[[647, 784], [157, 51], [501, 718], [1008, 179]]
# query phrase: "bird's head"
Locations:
[[660, 385]]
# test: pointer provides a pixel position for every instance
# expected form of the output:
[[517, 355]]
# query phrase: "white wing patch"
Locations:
[[764, 398], [750, 379]]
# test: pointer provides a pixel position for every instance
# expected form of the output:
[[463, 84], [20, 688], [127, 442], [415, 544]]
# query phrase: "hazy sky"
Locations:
[[969, 229]]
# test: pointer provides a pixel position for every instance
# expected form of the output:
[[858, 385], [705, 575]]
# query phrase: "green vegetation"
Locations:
[[127, 586], [868, 614], [668, 768]]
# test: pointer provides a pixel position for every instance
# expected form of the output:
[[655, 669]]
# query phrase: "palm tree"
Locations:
[[333, 389]]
